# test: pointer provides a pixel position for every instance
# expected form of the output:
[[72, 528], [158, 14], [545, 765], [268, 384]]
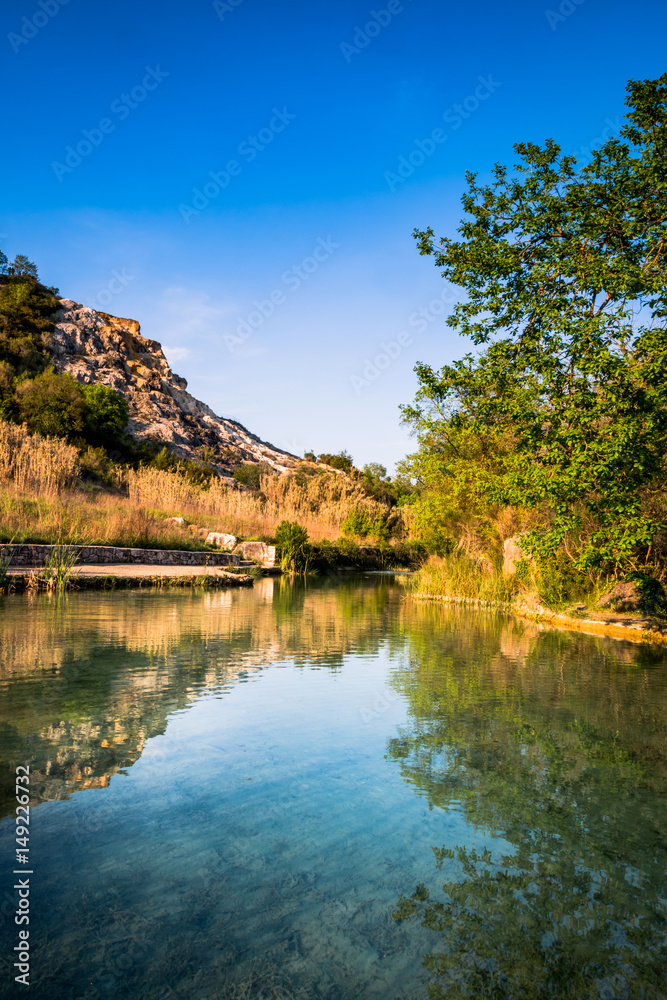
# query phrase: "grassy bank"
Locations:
[[558, 588]]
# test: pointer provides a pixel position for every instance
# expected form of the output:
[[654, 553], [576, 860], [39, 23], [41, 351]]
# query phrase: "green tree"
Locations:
[[564, 406], [106, 414], [23, 268], [52, 404], [26, 311], [250, 473], [342, 460]]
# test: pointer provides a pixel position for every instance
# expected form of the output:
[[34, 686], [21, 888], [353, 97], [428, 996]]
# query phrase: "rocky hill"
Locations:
[[96, 347]]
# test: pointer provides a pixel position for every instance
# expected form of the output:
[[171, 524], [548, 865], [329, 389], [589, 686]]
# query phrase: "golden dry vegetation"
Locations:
[[42, 500]]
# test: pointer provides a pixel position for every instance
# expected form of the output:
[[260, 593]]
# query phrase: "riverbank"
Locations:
[[632, 628], [124, 576]]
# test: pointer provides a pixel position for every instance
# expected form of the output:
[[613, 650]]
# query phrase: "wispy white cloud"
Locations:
[[174, 354]]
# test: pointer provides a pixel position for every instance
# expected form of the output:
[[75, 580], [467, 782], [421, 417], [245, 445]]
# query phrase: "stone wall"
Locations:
[[38, 555]]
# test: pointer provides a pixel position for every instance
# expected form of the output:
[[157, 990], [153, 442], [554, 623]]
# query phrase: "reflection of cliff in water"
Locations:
[[86, 680], [555, 743]]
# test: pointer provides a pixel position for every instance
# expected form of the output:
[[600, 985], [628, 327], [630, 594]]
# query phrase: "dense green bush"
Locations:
[[197, 472], [106, 415], [52, 404], [294, 550], [26, 310], [250, 473], [360, 524], [341, 461]]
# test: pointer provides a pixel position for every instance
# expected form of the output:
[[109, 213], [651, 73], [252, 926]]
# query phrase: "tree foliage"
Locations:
[[343, 460], [52, 404], [106, 414], [563, 406]]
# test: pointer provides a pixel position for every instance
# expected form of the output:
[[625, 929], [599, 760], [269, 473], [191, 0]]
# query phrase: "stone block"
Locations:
[[512, 554], [259, 552], [221, 540]]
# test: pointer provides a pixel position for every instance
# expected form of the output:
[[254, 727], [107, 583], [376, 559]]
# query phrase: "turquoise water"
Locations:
[[330, 792]]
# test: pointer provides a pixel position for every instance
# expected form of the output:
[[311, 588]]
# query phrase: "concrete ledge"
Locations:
[[28, 555]]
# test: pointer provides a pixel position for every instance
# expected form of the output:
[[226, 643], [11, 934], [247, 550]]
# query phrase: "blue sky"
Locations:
[[228, 174]]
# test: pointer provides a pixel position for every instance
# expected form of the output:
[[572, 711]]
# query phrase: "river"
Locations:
[[329, 791]]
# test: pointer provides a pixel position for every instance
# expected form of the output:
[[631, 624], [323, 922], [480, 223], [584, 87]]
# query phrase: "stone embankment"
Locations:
[[29, 556]]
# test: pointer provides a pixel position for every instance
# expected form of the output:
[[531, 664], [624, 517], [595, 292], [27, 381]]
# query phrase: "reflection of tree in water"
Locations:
[[554, 745]]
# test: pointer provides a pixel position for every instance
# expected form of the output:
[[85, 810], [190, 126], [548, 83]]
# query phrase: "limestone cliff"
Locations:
[[96, 347]]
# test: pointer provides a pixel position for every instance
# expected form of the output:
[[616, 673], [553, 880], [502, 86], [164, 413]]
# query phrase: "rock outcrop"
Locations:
[[96, 347], [644, 594], [512, 554]]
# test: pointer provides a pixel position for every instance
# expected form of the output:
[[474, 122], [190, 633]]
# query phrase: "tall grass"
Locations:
[[58, 570], [34, 463], [457, 577], [321, 503], [42, 501]]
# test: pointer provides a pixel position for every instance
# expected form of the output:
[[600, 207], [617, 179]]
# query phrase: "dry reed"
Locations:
[[34, 463], [321, 502]]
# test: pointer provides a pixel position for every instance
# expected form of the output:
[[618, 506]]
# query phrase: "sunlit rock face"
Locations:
[[96, 347]]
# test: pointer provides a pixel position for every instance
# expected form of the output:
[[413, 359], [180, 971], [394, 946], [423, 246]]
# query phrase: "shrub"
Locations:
[[357, 523], [250, 474], [196, 473], [25, 324], [292, 541], [96, 466], [106, 414], [341, 461], [559, 582], [52, 404]]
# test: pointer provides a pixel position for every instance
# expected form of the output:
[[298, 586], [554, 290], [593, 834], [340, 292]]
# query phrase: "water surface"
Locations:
[[330, 792]]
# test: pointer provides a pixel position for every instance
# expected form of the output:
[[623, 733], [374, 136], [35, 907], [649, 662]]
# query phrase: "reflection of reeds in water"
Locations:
[[154, 654]]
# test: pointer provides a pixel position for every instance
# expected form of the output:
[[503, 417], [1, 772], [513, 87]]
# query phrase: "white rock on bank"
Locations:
[[221, 540]]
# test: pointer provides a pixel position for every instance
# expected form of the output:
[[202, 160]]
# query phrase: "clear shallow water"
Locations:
[[236, 793]]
